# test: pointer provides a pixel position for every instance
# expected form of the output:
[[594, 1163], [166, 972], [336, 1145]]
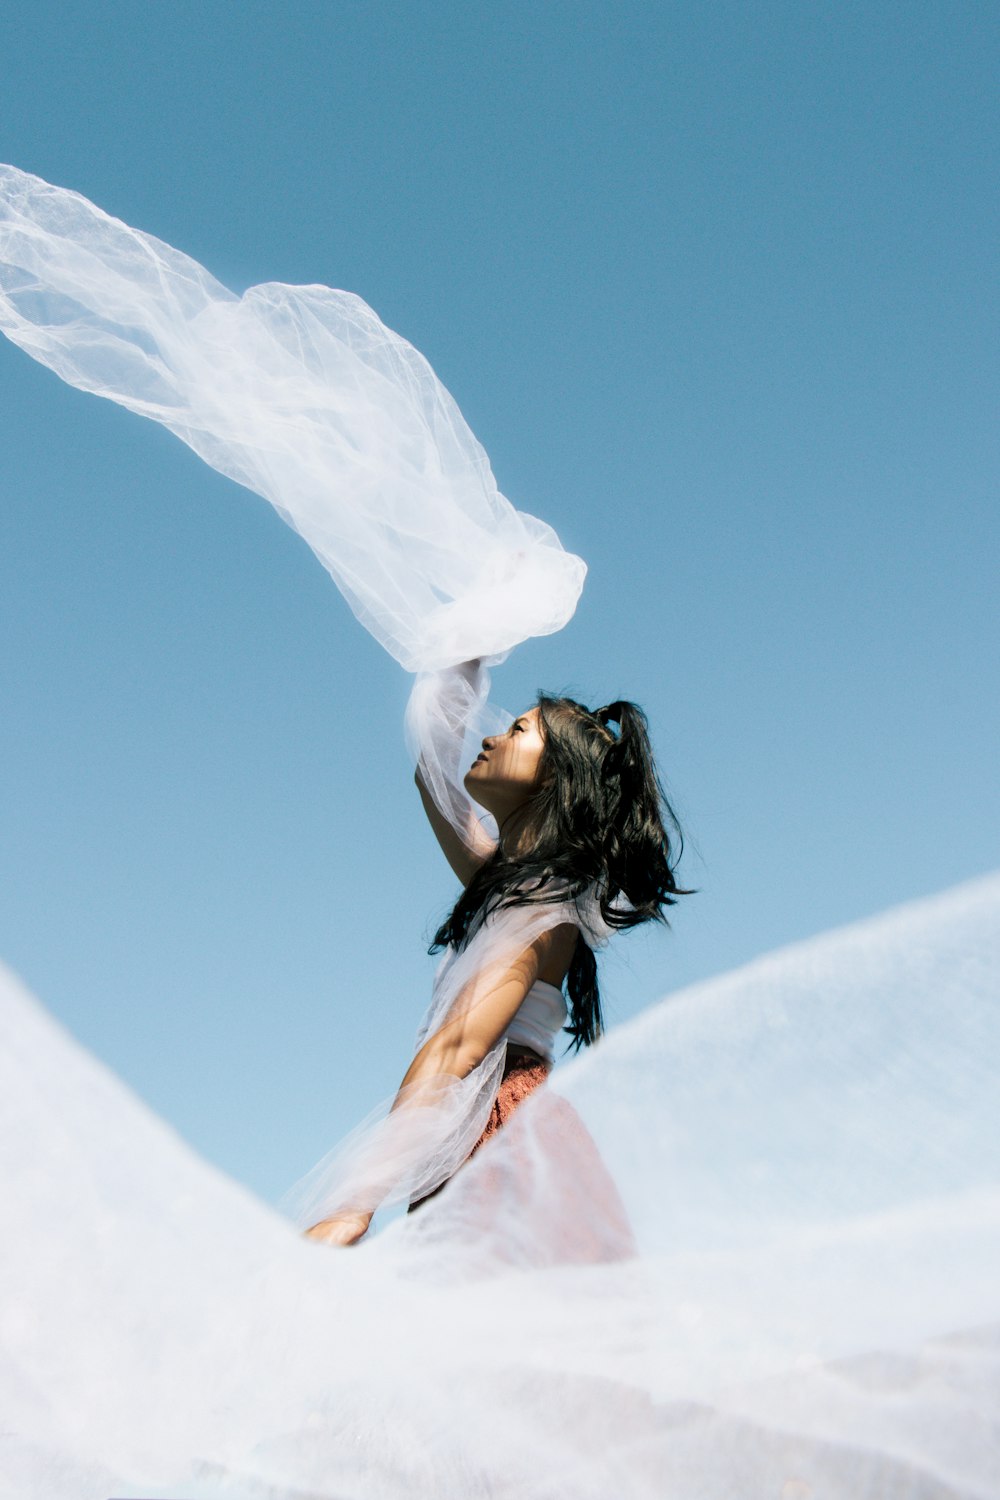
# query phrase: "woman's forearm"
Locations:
[[421, 1116], [434, 1119], [437, 1068]]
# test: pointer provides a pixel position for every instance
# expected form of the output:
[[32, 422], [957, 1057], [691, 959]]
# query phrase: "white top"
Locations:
[[539, 1020]]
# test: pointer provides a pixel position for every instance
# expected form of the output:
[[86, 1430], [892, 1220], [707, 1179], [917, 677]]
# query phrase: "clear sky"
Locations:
[[715, 284]]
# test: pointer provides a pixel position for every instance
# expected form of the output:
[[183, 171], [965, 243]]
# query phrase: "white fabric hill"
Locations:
[[808, 1150]]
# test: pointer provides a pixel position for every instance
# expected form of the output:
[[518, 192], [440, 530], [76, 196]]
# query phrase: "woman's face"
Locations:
[[506, 772]]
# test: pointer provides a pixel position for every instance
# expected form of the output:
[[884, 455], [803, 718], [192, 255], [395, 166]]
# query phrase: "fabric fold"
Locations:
[[303, 395]]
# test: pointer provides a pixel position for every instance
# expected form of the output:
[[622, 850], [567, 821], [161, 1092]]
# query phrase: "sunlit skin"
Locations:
[[504, 779], [505, 776]]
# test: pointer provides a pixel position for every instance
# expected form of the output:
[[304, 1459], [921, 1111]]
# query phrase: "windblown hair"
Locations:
[[600, 819]]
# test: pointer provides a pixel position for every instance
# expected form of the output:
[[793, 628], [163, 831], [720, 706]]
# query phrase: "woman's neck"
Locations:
[[516, 834]]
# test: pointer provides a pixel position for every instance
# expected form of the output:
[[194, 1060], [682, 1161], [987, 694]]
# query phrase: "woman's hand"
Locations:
[[341, 1229]]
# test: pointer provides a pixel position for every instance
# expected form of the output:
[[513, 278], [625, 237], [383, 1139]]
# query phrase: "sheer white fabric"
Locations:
[[447, 717], [303, 395], [746, 1248]]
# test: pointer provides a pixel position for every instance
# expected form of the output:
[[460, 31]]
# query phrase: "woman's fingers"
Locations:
[[341, 1229]]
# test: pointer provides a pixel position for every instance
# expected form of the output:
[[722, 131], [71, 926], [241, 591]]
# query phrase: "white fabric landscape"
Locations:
[[808, 1150]]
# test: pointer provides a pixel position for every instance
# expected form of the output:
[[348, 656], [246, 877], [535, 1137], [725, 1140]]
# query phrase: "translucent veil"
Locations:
[[303, 395], [803, 1305], [746, 1247]]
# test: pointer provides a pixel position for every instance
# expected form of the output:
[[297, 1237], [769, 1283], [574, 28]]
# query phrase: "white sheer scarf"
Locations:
[[303, 395]]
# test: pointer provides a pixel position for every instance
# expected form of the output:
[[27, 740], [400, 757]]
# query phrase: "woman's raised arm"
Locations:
[[465, 855], [442, 716]]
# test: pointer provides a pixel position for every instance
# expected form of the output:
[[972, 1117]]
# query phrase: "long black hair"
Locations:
[[600, 819]]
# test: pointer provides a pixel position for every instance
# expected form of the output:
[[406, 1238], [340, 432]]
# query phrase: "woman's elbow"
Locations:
[[459, 1058]]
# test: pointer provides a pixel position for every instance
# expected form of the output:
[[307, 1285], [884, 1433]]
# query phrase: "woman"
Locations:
[[305, 397], [582, 848]]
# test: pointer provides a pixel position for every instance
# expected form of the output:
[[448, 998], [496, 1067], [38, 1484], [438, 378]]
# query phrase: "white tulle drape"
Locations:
[[447, 716], [803, 1304], [303, 395]]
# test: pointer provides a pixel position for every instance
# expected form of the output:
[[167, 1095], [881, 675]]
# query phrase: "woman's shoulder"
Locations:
[[554, 950], [541, 903]]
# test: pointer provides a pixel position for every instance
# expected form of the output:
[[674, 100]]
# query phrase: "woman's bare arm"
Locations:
[[462, 1043], [464, 860]]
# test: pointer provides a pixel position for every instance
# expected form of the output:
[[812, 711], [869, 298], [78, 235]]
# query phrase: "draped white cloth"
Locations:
[[747, 1247], [303, 395], [807, 1151]]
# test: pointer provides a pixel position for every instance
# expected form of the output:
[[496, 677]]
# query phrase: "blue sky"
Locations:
[[716, 287]]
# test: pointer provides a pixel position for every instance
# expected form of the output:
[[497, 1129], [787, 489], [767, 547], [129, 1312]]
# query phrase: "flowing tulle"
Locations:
[[302, 394], [807, 1153]]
